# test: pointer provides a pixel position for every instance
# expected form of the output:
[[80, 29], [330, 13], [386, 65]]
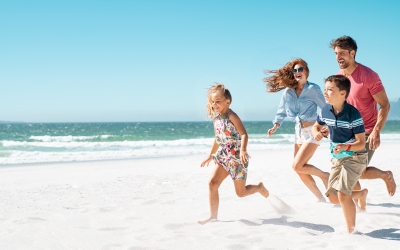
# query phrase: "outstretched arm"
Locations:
[[214, 149]]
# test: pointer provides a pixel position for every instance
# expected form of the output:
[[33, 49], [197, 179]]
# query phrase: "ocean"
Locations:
[[22, 143]]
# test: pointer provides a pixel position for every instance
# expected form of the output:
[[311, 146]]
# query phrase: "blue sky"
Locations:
[[118, 61]]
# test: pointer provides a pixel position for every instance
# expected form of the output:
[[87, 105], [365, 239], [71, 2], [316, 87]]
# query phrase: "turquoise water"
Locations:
[[56, 142]]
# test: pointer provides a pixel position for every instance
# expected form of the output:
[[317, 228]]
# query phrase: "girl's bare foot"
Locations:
[[263, 191], [202, 222]]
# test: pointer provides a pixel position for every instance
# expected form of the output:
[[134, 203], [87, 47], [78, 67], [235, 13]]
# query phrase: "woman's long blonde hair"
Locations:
[[283, 77], [216, 88]]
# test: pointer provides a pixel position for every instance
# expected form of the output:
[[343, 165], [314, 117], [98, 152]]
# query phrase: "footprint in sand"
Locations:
[[111, 246], [151, 202], [107, 209], [112, 229], [29, 220]]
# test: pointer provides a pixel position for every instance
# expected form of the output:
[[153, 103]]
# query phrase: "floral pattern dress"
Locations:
[[228, 153]]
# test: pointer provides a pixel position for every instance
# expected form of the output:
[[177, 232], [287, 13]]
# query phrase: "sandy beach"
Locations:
[[155, 203]]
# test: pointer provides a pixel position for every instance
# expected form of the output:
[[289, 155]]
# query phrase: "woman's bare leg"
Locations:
[[303, 153]]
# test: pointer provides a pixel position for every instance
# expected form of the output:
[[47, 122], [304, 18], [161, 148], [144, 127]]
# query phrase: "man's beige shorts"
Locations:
[[345, 173]]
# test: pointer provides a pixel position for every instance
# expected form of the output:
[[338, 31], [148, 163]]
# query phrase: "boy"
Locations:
[[347, 136]]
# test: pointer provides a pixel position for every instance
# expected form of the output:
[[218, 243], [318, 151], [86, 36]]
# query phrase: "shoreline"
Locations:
[[278, 147]]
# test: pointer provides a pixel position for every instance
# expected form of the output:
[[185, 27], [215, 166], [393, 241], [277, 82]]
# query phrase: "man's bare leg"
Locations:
[[387, 176]]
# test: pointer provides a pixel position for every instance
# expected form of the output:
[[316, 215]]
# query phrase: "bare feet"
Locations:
[[361, 204], [390, 183], [263, 191], [202, 222]]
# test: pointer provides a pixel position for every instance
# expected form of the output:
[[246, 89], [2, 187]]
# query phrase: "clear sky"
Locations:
[[151, 60]]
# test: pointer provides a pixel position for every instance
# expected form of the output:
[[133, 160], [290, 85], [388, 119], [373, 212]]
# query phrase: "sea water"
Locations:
[[66, 142]]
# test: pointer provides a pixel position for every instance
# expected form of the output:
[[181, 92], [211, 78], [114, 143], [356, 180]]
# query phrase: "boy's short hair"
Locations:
[[341, 81]]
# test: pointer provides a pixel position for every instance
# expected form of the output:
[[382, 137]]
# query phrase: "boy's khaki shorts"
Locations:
[[345, 173]]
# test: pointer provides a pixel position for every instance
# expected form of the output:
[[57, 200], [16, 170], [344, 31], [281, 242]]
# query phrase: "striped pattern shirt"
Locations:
[[344, 126]]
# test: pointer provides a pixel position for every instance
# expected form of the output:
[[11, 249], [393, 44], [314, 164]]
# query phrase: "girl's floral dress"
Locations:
[[228, 154]]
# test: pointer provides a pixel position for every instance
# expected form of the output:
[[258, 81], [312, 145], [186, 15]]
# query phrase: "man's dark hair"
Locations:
[[344, 42]]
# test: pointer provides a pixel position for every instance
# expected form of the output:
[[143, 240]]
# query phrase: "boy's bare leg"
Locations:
[[217, 178], [243, 190], [333, 199], [349, 210], [387, 176]]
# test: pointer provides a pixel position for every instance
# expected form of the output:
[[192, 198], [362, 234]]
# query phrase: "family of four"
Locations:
[[348, 115]]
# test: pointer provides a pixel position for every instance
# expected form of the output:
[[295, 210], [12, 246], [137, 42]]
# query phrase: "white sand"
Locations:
[[156, 203]]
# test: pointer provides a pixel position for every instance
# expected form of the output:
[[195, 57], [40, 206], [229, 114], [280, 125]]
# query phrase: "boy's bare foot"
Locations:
[[362, 201], [263, 191], [202, 222], [390, 183]]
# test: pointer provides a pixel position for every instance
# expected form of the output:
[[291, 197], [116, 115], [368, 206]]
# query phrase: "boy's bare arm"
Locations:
[[359, 144]]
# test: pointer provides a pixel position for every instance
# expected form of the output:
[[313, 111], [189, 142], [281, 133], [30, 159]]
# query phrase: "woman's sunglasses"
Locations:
[[301, 69]]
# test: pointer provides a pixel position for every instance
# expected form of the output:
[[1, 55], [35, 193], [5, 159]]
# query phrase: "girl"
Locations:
[[299, 103], [228, 150]]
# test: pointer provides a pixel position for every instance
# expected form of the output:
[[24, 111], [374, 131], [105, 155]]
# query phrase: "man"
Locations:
[[366, 91]]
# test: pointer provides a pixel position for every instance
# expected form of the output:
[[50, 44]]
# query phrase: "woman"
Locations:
[[299, 103]]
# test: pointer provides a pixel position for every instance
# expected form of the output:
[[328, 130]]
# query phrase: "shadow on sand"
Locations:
[[283, 221], [387, 234], [384, 205]]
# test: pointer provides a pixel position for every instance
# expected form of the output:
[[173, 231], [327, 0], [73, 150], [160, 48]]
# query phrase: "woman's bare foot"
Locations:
[[263, 191], [390, 183], [362, 201], [202, 222]]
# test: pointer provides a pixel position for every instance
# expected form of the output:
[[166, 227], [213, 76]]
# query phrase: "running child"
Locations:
[[349, 157], [228, 150]]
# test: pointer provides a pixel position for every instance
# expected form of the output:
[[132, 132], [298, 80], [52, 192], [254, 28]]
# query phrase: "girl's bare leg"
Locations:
[[302, 154], [243, 190], [217, 178]]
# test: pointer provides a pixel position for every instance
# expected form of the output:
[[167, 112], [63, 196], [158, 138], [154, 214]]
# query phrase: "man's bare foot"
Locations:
[[362, 201], [321, 199], [202, 222], [390, 183], [263, 191]]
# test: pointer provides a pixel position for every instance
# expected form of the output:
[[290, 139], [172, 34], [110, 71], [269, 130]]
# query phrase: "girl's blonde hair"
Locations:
[[219, 89], [283, 77]]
